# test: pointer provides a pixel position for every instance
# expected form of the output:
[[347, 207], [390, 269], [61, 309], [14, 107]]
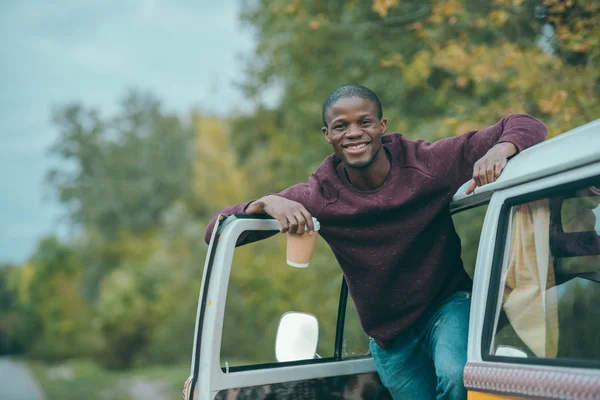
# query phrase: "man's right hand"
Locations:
[[292, 216]]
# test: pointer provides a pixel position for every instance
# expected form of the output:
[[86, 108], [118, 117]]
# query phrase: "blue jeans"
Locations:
[[427, 360]]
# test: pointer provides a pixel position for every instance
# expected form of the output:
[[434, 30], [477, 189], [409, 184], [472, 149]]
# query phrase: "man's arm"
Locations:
[[481, 155], [290, 207], [292, 215], [488, 168]]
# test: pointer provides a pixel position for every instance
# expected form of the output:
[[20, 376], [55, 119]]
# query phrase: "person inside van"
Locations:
[[382, 203]]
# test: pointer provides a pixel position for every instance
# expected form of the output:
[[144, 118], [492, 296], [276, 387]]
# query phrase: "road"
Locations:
[[17, 383]]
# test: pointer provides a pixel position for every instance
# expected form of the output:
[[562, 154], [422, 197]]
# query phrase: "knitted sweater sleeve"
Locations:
[[451, 160], [303, 193]]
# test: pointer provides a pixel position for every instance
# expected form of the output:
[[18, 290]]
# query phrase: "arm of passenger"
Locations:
[[576, 238]]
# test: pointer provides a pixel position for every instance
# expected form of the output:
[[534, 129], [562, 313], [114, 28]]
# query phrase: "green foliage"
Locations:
[[11, 335], [127, 169], [468, 225], [55, 319], [122, 172], [124, 314], [127, 185]]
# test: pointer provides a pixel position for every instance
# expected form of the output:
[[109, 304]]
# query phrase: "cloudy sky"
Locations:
[[188, 53]]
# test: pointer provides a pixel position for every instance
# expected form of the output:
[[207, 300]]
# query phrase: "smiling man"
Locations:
[[382, 202]]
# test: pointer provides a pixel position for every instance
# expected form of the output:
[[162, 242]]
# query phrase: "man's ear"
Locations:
[[383, 123], [326, 133]]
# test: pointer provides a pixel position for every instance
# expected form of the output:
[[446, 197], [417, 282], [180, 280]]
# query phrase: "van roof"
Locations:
[[572, 149]]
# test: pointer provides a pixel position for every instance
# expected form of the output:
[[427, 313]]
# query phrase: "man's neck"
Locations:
[[374, 175]]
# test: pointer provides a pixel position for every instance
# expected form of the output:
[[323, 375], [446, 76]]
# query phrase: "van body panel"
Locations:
[[362, 386], [488, 243], [518, 378], [284, 373], [534, 382]]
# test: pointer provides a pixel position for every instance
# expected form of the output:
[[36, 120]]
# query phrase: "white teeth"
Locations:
[[357, 147]]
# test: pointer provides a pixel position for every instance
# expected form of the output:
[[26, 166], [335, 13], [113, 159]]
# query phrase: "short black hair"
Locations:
[[352, 90]]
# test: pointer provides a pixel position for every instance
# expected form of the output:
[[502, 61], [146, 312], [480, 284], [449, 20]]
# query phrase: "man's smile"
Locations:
[[355, 148]]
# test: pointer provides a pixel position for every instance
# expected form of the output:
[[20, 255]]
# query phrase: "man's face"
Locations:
[[354, 131]]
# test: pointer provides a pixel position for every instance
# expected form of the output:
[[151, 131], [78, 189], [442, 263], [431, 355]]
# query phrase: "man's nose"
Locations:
[[353, 131]]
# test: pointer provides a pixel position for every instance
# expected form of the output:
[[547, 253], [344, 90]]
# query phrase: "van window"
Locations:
[[356, 341], [262, 287], [468, 224], [549, 295]]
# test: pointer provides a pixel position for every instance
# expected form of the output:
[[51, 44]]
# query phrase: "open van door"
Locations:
[[535, 328], [316, 350]]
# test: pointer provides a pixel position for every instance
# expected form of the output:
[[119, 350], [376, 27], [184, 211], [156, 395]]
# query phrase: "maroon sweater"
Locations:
[[397, 245]]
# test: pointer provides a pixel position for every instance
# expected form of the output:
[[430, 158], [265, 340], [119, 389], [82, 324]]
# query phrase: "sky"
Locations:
[[188, 53]]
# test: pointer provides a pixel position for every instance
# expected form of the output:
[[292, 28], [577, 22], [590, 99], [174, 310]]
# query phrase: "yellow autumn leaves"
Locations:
[[381, 7]]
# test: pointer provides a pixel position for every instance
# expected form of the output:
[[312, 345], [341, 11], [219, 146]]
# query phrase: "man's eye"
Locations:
[[365, 122], [339, 126]]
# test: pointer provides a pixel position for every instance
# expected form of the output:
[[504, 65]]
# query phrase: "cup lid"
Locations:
[[316, 224]]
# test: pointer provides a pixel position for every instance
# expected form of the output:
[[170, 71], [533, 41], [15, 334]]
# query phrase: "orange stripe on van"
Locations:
[[486, 396]]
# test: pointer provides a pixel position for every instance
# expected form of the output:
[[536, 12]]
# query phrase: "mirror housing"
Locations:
[[297, 337], [509, 351]]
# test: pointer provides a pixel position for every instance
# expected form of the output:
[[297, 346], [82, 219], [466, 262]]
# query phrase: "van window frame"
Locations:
[[339, 339], [494, 290]]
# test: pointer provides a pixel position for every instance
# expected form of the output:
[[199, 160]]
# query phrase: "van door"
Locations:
[[244, 293], [535, 318]]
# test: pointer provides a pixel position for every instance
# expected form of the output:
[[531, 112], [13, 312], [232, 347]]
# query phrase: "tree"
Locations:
[[121, 174], [11, 338], [125, 170], [55, 319]]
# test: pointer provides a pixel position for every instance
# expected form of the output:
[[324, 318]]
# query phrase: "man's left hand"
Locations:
[[490, 166]]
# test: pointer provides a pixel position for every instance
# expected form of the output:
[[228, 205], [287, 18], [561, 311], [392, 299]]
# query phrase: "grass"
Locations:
[[82, 379]]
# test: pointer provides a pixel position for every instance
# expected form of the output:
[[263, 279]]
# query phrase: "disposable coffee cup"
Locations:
[[300, 247]]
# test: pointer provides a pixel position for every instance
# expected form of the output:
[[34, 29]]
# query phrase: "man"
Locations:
[[382, 202]]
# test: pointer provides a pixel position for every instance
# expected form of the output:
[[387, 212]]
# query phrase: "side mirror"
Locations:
[[510, 351], [297, 337]]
